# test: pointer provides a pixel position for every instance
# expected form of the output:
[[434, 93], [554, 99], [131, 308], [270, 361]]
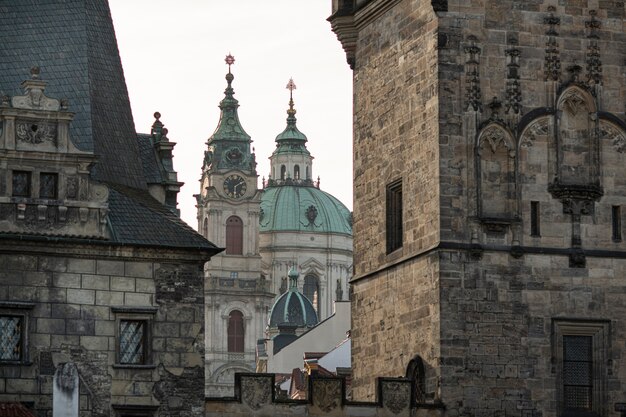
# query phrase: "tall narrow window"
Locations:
[[234, 236], [235, 331], [296, 172], [205, 228], [394, 216], [577, 373], [283, 171], [581, 352], [21, 184], [415, 371], [311, 290], [132, 342], [617, 223], [534, 219]]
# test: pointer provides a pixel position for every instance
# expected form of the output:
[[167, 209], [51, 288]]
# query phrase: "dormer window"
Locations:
[[21, 184], [48, 185]]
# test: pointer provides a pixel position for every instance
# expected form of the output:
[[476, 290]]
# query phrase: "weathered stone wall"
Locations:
[[531, 98], [562, 130], [75, 304], [254, 396], [395, 312]]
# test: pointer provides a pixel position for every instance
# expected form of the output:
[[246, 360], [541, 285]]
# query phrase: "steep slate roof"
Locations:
[[73, 42], [151, 170], [137, 218]]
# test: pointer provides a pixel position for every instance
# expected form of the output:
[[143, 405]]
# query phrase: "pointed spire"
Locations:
[[291, 132], [229, 128]]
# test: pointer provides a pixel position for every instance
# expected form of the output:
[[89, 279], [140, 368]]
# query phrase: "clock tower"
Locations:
[[237, 295]]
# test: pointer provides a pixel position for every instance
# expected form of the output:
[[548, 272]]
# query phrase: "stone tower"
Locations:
[[237, 296], [489, 168]]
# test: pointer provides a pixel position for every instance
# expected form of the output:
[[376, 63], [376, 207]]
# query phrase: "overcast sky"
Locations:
[[173, 56]]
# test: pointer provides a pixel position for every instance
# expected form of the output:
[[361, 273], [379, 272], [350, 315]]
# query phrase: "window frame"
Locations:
[[616, 223], [23, 311], [235, 336], [29, 182], [394, 207], [315, 301], [56, 185], [600, 333], [235, 238], [535, 219], [142, 314]]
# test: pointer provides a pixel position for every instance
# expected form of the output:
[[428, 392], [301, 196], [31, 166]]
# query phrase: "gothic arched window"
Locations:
[[311, 290], [234, 236], [283, 171], [415, 372], [296, 172], [235, 331]]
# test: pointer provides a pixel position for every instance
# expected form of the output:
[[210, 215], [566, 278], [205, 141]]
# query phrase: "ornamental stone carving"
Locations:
[[256, 391], [616, 136], [495, 136], [34, 97], [396, 395], [311, 213], [35, 133], [327, 393], [540, 127]]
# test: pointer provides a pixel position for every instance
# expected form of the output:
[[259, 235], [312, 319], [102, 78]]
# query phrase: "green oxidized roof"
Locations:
[[291, 140], [307, 209], [293, 307]]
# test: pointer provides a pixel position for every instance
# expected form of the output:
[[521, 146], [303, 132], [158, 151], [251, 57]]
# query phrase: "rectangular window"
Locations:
[[577, 373], [581, 350], [132, 340], [11, 336], [234, 275], [534, 219], [48, 185], [394, 216], [21, 184], [616, 212]]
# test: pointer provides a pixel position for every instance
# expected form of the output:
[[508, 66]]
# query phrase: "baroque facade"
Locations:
[[289, 223], [101, 295], [489, 172]]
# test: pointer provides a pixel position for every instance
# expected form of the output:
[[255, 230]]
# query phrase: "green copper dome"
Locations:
[[306, 209], [293, 307]]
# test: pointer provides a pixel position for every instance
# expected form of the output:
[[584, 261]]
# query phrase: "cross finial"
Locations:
[[230, 60], [291, 86]]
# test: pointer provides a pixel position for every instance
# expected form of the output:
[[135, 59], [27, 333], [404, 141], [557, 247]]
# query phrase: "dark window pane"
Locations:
[[10, 338], [311, 291], [235, 331], [577, 372], [132, 335], [234, 236], [48, 185], [394, 216], [21, 184], [534, 218], [617, 222]]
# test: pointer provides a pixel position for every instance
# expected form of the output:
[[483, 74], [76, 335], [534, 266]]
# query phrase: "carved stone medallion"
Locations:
[[35, 133], [396, 395], [256, 391], [327, 394]]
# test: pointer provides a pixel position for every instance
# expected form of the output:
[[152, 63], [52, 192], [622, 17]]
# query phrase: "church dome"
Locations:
[[292, 307], [303, 208]]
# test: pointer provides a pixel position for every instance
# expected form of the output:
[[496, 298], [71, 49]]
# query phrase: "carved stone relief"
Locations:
[[256, 391], [539, 127], [495, 137], [35, 133], [616, 136], [327, 394], [396, 395]]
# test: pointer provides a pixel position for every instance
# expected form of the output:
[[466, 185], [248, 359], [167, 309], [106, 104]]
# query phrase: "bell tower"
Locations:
[[236, 294]]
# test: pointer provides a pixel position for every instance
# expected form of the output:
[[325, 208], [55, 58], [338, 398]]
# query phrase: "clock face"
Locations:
[[234, 186]]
